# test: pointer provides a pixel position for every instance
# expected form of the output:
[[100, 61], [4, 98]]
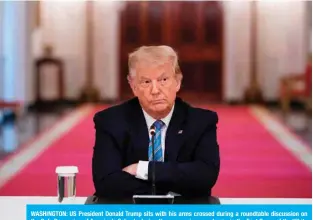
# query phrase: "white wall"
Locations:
[[63, 26], [1, 50], [237, 51], [1, 27], [282, 44], [16, 47], [106, 52], [309, 25], [29, 79]]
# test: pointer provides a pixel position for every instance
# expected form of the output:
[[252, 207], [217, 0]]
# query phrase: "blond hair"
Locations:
[[153, 55]]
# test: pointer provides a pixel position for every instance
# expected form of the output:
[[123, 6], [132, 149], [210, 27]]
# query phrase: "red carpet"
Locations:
[[253, 163]]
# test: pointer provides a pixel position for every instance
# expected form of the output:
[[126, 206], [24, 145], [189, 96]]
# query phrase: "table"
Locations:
[[14, 207]]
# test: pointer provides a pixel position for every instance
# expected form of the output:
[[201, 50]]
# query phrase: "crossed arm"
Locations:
[[111, 179]]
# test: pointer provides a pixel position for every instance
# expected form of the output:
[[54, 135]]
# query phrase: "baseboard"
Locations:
[[50, 105], [233, 102], [270, 103], [8, 115], [296, 105]]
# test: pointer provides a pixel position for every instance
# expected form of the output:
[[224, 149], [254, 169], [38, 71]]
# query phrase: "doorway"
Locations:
[[193, 29]]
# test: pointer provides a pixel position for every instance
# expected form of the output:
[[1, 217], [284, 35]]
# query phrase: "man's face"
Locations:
[[156, 88]]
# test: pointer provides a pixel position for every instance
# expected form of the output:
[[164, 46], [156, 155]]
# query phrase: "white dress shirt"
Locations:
[[142, 168]]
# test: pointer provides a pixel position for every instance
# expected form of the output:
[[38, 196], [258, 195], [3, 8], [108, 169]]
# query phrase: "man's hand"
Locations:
[[131, 169]]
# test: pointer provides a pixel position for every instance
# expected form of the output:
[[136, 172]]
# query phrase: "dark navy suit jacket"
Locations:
[[192, 160]]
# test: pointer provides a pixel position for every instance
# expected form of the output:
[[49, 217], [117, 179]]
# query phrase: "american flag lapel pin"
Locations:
[[180, 131]]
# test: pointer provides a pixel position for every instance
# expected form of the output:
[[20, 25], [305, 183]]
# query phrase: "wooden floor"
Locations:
[[298, 121]]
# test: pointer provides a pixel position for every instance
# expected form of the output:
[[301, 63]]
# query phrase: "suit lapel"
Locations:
[[138, 130], [175, 133]]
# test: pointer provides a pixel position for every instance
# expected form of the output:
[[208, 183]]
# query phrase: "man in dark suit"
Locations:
[[186, 148]]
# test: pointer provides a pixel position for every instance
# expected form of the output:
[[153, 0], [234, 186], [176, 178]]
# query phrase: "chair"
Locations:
[[296, 87]]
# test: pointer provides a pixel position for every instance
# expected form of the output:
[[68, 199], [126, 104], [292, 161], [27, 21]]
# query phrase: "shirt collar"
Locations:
[[150, 120]]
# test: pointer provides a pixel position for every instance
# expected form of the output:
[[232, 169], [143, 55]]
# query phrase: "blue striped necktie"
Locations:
[[158, 156]]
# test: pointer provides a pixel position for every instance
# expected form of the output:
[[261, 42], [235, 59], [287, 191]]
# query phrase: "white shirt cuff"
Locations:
[[142, 170]]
